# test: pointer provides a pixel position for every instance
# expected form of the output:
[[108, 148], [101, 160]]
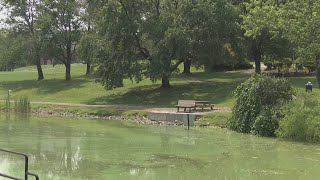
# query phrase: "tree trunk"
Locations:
[[257, 57], [318, 75], [68, 70], [39, 69], [165, 82], [88, 69], [207, 68], [258, 65], [186, 66], [318, 69], [68, 62]]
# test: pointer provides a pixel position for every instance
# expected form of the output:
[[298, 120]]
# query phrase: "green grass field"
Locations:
[[215, 87]]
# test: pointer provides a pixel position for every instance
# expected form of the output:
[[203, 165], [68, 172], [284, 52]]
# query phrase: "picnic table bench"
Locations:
[[204, 104], [191, 104]]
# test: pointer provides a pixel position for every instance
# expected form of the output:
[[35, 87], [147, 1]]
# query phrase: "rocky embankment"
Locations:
[[136, 119]]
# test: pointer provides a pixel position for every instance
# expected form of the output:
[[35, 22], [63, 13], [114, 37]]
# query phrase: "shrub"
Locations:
[[258, 104], [233, 64], [267, 122], [302, 120]]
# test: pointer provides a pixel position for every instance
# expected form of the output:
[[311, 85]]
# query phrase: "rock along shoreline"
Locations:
[[135, 119]]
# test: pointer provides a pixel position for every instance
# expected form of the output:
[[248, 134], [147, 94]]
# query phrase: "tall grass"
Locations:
[[7, 104], [22, 105]]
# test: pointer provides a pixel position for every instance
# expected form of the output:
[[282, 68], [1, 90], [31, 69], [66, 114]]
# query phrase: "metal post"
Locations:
[[188, 122], [26, 168]]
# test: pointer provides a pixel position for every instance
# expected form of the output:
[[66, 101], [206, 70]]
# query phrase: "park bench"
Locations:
[[191, 104], [204, 104]]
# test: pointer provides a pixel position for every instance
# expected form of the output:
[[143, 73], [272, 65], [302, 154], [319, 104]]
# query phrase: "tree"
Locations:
[[65, 30], [262, 27], [217, 35], [89, 42], [152, 38], [13, 51], [141, 40], [24, 17], [302, 19], [89, 48]]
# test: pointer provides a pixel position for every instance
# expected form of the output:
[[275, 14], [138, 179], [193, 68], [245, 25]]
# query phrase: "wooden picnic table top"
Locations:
[[204, 102]]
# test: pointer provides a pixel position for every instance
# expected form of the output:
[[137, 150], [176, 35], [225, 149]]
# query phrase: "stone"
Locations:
[[173, 117]]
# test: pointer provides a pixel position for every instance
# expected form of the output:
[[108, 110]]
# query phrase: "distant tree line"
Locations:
[[138, 39]]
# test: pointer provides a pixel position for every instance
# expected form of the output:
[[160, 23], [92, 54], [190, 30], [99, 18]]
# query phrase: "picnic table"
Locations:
[[192, 105], [186, 104]]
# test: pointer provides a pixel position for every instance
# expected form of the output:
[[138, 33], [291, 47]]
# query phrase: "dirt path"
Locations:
[[126, 107]]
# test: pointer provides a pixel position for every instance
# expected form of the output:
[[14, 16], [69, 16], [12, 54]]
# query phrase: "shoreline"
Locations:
[[213, 120], [135, 119]]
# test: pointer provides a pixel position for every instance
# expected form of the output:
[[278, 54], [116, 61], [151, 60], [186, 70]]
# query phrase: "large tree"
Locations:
[[263, 28], [24, 17], [283, 29], [13, 50], [64, 30], [215, 32], [211, 32], [89, 43], [152, 38], [89, 48], [302, 21]]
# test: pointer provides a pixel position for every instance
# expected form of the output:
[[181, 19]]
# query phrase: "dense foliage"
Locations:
[[259, 100], [89, 48], [302, 120], [151, 38]]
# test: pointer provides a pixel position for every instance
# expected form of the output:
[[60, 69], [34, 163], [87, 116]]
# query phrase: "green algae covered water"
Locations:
[[80, 149]]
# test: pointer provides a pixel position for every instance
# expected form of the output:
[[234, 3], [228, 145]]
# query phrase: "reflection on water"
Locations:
[[89, 149], [5, 165]]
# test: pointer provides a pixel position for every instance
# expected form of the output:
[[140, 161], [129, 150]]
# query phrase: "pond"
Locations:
[[80, 149]]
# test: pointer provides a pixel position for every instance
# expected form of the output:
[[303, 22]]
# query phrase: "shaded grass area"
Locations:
[[215, 87], [151, 95]]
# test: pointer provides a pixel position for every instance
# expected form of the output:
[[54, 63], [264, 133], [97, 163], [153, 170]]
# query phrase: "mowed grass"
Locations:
[[215, 87], [215, 119]]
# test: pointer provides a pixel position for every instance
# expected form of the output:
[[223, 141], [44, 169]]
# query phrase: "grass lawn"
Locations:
[[215, 87]]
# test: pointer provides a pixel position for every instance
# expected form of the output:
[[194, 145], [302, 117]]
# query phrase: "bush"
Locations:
[[267, 122], [230, 66], [302, 120], [258, 105]]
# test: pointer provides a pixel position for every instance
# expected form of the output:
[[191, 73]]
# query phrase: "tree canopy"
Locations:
[[131, 39], [150, 39]]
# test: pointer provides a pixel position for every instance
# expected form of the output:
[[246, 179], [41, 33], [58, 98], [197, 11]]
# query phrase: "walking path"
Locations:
[[126, 107]]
